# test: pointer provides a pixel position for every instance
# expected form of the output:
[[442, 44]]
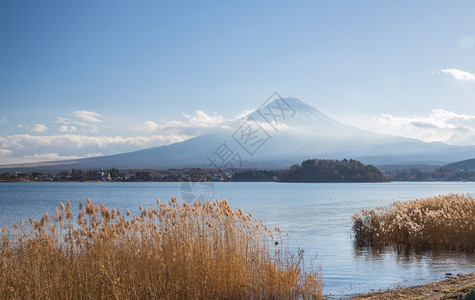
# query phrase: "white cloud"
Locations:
[[72, 125], [201, 119], [149, 126], [30, 148], [36, 127], [5, 152], [459, 75], [3, 121], [195, 124], [39, 128], [88, 116], [440, 125], [65, 128], [75, 140], [242, 115]]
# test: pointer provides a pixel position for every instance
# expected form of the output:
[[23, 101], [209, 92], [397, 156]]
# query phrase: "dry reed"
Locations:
[[173, 251], [442, 222]]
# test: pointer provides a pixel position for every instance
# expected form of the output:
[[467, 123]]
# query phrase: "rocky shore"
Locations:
[[452, 288]]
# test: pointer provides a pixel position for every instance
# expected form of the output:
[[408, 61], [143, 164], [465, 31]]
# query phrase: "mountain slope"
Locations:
[[283, 132], [468, 164]]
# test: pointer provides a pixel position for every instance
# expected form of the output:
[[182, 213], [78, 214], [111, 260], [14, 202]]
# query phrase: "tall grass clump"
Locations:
[[173, 251], [442, 222]]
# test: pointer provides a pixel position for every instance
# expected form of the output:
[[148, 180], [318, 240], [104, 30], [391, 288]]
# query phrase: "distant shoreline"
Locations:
[[240, 181]]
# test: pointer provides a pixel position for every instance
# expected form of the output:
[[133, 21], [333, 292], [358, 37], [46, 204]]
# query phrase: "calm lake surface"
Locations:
[[317, 216]]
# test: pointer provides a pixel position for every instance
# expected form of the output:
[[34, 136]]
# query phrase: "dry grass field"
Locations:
[[442, 222], [173, 251]]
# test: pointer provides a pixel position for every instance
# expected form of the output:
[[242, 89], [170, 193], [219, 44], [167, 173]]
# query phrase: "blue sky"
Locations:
[[85, 78]]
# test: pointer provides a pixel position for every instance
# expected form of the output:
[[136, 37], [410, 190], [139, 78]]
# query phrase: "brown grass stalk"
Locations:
[[173, 251], [442, 222]]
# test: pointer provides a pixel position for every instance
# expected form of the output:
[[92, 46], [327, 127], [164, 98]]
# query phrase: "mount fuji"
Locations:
[[277, 135]]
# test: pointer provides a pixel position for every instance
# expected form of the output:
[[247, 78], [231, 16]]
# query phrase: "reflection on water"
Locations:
[[436, 258], [318, 217], [412, 267]]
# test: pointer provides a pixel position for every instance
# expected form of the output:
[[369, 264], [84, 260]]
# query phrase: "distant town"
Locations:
[[308, 171], [112, 174]]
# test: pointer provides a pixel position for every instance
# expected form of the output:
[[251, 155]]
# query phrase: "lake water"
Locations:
[[317, 216]]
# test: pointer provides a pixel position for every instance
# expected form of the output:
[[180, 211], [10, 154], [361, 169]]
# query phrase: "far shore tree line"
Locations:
[[439, 174], [311, 170]]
